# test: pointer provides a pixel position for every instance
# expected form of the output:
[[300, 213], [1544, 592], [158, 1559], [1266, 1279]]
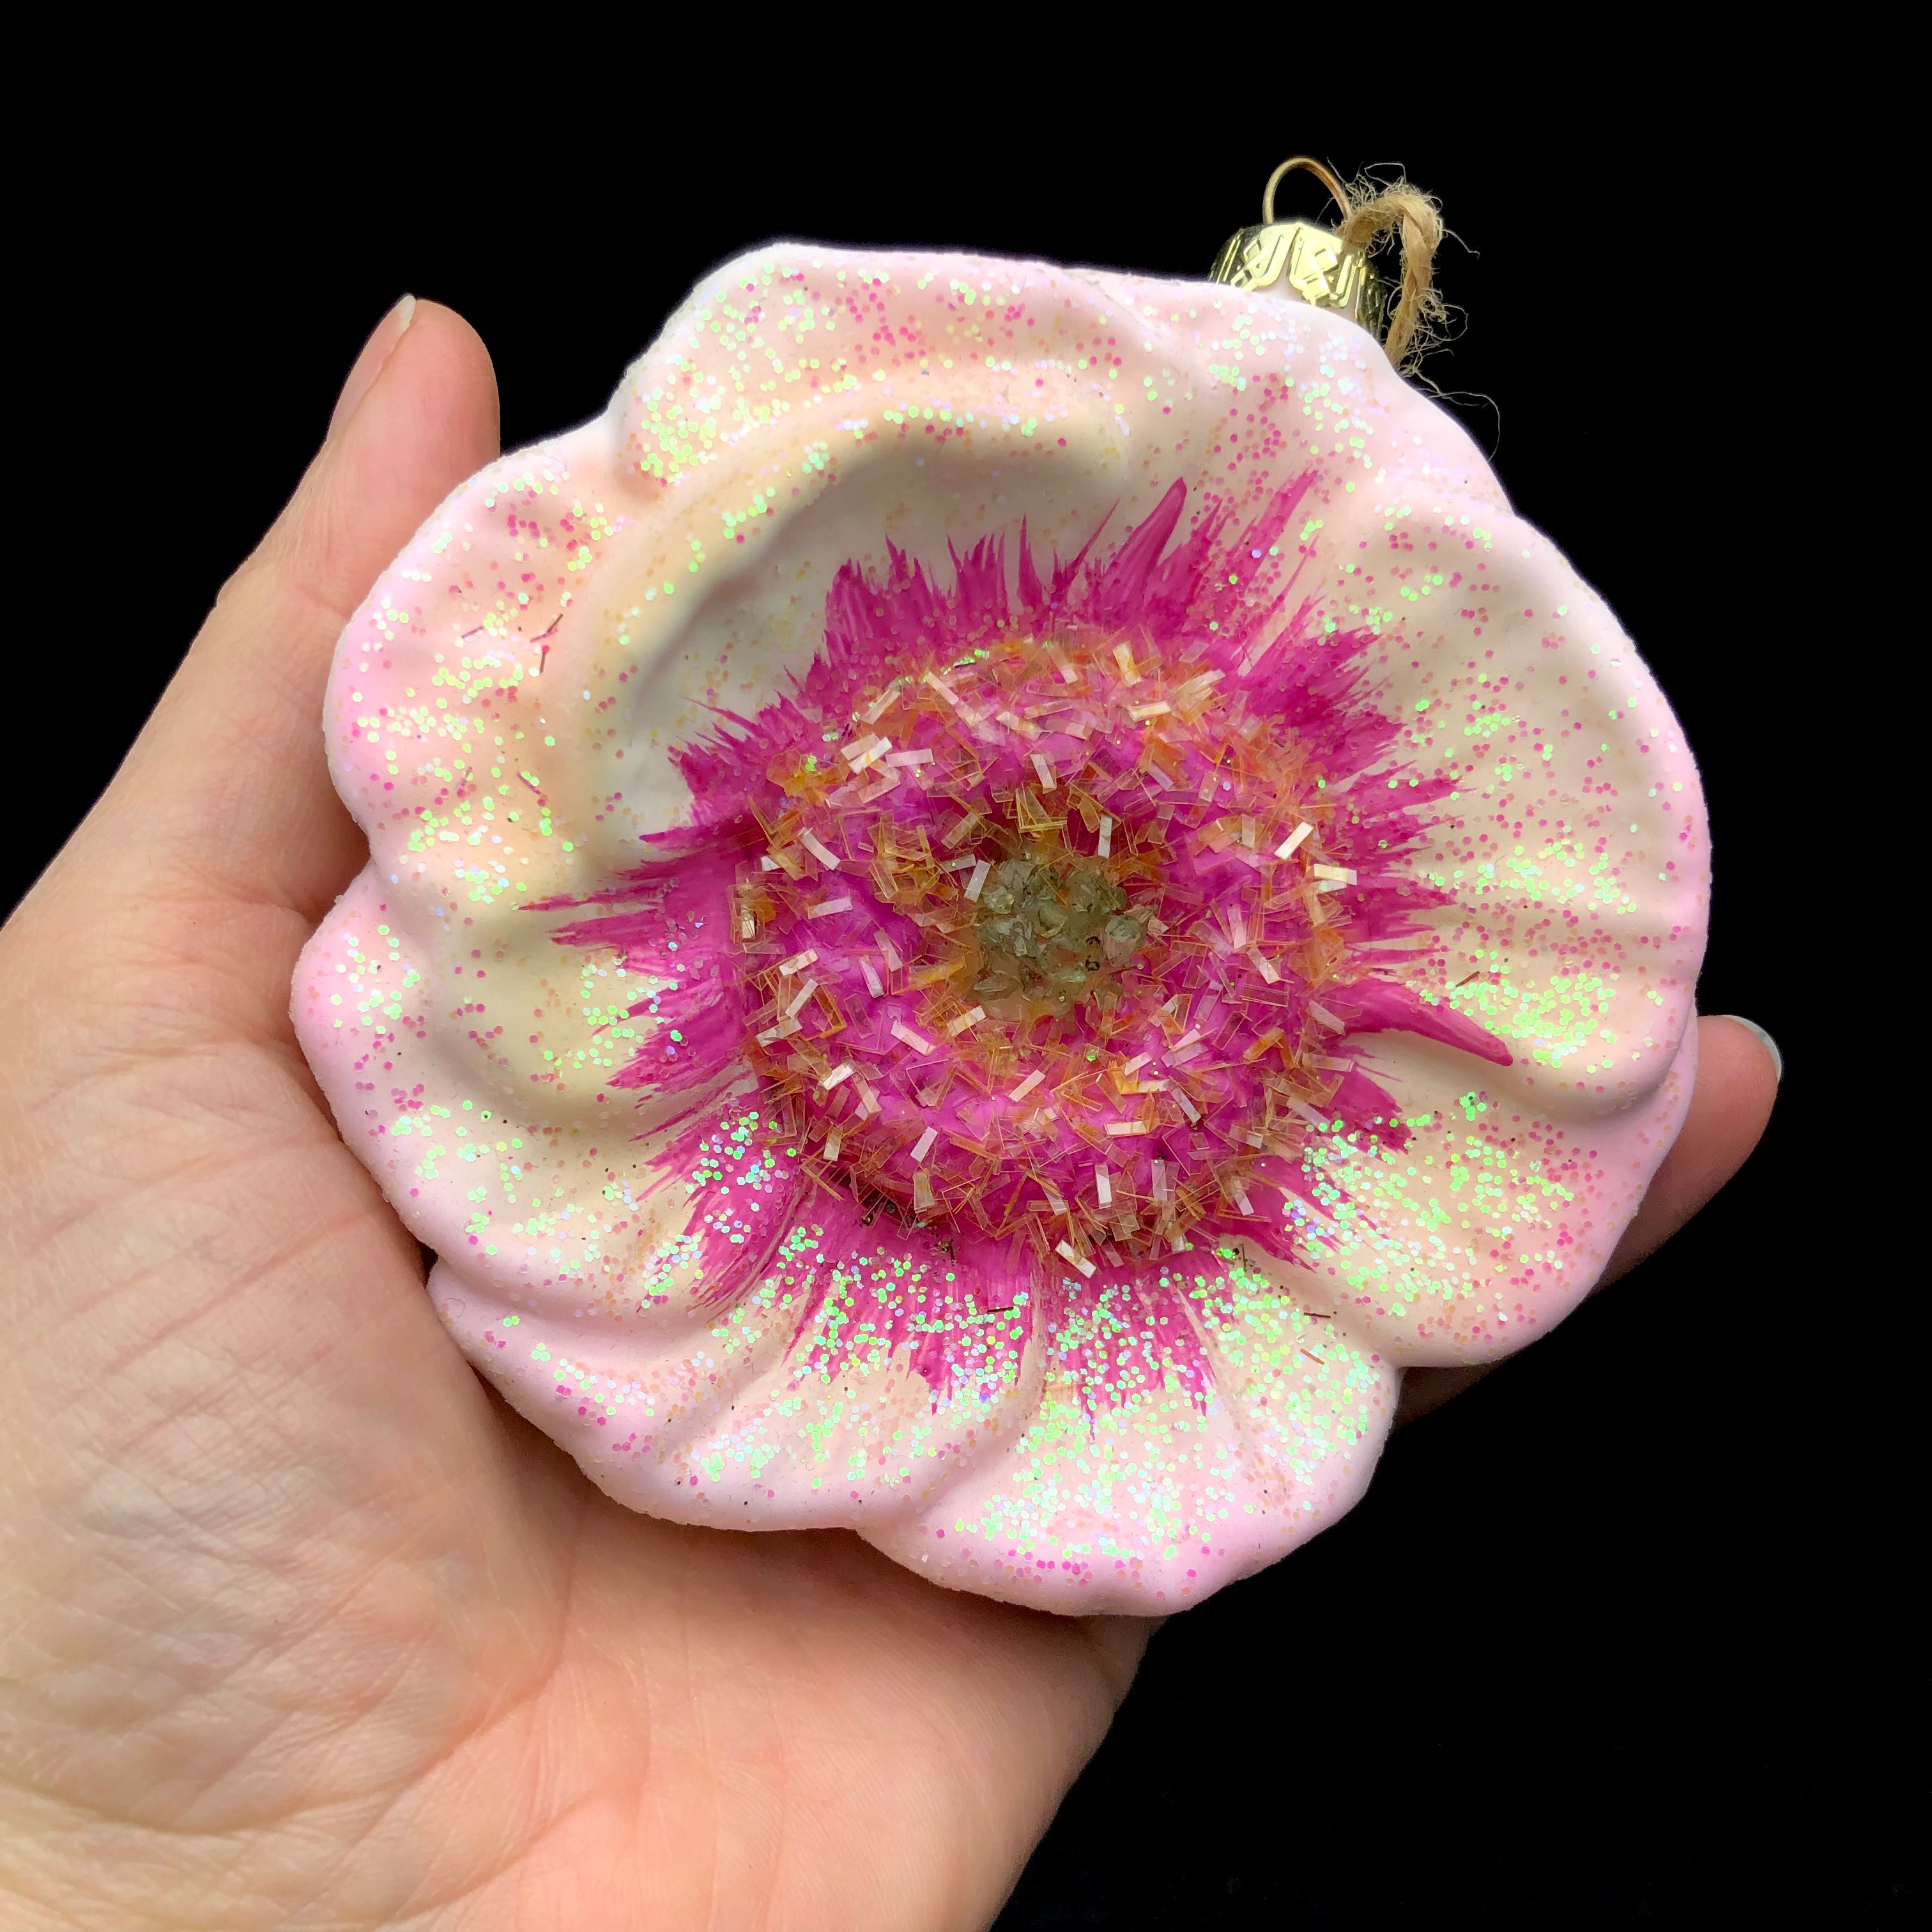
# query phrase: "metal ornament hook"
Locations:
[[1321, 173], [1311, 264]]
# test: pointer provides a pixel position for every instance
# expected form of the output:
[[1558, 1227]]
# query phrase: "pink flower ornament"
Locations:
[[991, 902]]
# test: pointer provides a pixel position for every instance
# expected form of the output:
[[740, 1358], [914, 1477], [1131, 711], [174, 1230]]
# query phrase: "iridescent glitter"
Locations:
[[1029, 1054], [990, 902]]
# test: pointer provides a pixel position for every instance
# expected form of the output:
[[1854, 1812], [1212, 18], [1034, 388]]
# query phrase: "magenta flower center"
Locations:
[[1049, 931], [1039, 948]]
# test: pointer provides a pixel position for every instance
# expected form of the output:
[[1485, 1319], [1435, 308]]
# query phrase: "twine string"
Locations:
[[1401, 207], [1375, 211]]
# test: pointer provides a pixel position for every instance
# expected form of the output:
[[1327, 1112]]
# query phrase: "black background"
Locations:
[[1619, 1635]]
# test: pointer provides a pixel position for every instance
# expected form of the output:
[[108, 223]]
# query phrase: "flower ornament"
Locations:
[[991, 902]]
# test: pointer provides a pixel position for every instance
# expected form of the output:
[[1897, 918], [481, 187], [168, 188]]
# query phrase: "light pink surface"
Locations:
[[498, 721]]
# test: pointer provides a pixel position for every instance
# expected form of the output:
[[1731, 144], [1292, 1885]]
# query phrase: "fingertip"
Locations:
[[1772, 1052], [441, 367], [1739, 1070], [433, 400], [427, 418], [367, 366], [1730, 1106]]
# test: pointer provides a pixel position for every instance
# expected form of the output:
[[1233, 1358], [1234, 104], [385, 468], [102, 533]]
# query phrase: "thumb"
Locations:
[[417, 415], [226, 794]]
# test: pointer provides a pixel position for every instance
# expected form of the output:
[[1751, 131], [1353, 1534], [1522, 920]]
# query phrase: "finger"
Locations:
[[1737, 1072], [1738, 1067], [226, 792]]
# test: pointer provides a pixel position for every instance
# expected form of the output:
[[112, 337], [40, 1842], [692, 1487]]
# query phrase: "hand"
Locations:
[[301, 1625]]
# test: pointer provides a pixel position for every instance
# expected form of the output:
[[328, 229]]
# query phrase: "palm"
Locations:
[[503, 1683], [301, 1625]]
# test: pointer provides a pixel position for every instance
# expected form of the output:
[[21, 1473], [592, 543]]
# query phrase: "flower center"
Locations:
[[1052, 930], [1037, 949], [1049, 936]]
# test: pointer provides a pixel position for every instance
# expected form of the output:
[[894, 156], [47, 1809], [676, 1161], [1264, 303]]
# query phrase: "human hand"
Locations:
[[302, 1625]]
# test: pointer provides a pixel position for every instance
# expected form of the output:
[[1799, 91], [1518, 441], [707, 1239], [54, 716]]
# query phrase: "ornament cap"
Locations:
[[1311, 263]]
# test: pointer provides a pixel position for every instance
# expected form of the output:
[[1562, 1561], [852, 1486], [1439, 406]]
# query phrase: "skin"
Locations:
[[299, 1626]]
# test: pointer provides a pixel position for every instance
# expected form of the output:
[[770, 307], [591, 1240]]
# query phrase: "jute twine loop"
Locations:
[[1374, 211], [1401, 207]]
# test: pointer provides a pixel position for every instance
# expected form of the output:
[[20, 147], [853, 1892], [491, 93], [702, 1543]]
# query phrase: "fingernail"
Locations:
[[376, 351], [1770, 1045]]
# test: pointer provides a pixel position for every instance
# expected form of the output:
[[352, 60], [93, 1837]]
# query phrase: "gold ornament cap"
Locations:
[[1312, 263]]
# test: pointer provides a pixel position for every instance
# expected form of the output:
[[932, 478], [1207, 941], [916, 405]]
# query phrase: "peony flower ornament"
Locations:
[[992, 901]]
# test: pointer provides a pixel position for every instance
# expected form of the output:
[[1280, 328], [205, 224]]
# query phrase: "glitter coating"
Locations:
[[991, 902]]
